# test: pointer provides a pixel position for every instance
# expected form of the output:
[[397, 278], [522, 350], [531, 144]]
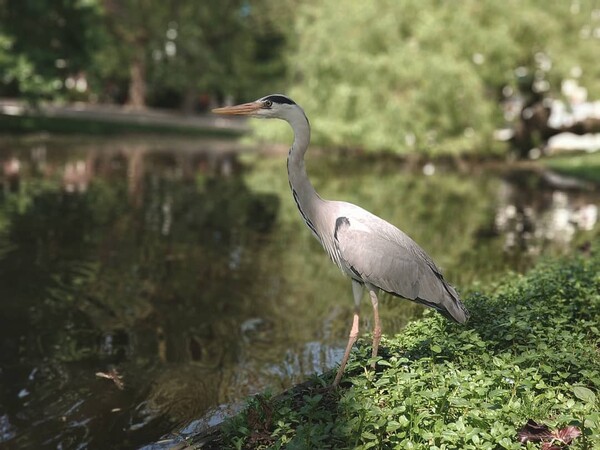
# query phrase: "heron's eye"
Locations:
[[267, 104]]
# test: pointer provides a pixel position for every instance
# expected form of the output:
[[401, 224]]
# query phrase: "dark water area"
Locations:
[[145, 283]]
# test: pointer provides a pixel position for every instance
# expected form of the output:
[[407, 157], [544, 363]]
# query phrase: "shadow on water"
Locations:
[[189, 275]]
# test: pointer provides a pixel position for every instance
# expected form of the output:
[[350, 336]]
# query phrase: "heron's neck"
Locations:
[[303, 191]]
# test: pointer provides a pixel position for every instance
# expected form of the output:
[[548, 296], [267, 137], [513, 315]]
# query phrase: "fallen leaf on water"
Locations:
[[113, 375]]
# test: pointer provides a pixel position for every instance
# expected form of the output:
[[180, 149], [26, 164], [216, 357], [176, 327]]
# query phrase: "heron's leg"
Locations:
[[357, 290], [377, 327]]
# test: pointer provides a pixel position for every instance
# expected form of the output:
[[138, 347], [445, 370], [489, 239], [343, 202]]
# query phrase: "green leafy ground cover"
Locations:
[[530, 351]]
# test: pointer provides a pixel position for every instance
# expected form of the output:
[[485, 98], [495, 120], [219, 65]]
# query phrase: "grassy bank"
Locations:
[[67, 125], [585, 166], [530, 351]]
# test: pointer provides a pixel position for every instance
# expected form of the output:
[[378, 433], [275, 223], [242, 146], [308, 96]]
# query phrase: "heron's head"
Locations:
[[269, 107]]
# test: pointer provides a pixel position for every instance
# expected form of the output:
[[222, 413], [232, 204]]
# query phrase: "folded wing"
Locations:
[[382, 255]]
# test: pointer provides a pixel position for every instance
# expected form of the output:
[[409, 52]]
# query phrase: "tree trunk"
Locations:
[[190, 100], [137, 84]]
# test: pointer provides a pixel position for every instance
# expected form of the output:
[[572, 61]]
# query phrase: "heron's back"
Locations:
[[371, 250]]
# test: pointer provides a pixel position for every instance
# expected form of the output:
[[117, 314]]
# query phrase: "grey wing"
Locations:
[[393, 262]]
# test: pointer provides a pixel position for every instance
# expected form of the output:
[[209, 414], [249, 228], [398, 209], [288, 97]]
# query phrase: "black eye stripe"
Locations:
[[280, 99]]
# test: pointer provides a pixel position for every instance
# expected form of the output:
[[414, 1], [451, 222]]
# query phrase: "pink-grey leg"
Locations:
[[377, 327], [357, 291]]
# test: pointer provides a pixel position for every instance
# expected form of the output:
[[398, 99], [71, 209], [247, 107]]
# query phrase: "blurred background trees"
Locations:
[[420, 75], [433, 75], [43, 43], [138, 52]]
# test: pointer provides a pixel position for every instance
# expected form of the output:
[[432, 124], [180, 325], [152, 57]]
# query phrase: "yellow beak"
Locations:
[[243, 109]]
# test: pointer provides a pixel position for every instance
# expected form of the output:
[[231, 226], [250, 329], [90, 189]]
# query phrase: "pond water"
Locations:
[[148, 282]]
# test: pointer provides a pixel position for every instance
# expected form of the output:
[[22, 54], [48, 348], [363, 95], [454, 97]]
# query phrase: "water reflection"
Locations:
[[533, 215], [191, 276]]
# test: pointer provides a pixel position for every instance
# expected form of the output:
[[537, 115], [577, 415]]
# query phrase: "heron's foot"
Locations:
[[376, 341]]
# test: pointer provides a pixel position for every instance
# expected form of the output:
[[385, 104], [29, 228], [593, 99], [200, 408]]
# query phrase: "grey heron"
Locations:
[[373, 253]]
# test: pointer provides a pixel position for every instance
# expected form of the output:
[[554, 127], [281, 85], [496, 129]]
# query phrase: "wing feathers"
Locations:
[[392, 261]]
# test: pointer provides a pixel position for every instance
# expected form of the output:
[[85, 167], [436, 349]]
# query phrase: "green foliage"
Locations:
[[178, 50], [189, 48], [418, 76], [222, 47], [426, 76], [19, 69], [530, 351], [42, 42]]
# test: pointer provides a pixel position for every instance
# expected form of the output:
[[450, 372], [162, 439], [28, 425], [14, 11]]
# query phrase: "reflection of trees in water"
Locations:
[[104, 283], [533, 215]]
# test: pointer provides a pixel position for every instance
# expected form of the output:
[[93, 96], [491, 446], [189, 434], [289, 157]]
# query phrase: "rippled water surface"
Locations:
[[145, 282]]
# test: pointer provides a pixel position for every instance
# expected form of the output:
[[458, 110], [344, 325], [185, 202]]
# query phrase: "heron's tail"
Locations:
[[450, 305], [455, 308]]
